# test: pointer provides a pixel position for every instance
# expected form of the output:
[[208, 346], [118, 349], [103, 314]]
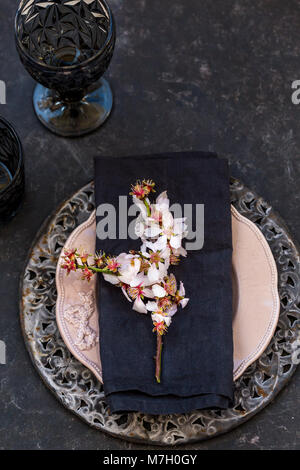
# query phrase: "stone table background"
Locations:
[[187, 75]]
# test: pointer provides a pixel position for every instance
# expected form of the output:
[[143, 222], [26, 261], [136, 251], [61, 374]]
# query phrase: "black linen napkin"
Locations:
[[197, 361]]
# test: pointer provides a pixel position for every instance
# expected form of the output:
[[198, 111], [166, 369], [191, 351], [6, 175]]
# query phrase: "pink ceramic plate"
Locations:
[[256, 301]]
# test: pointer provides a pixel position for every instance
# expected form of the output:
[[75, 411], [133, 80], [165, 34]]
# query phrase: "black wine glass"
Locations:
[[12, 180], [66, 46]]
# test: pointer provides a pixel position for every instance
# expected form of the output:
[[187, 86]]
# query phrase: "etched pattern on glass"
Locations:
[[63, 32]]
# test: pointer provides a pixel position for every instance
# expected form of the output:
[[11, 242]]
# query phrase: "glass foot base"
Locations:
[[73, 119]]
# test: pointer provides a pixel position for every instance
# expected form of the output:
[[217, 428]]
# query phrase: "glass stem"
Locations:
[[72, 96]]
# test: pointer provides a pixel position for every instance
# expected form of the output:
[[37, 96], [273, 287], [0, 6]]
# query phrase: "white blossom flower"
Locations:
[[159, 262], [156, 317], [170, 231], [129, 269], [173, 229], [137, 294]]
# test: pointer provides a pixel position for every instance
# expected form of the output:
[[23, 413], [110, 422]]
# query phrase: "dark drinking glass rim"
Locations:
[[66, 67], [20, 153]]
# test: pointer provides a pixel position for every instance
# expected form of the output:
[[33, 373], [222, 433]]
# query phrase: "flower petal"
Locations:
[[156, 317], [163, 269], [172, 310], [184, 302], [148, 293], [141, 206], [152, 306], [152, 231], [162, 201], [129, 270], [167, 219], [137, 280], [137, 265], [179, 251], [181, 289], [126, 279], [159, 291], [139, 306], [111, 278], [139, 228], [175, 241], [123, 258], [160, 243], [165, 253], [179, 226], [143, 250], [153, 273], [126, 295]]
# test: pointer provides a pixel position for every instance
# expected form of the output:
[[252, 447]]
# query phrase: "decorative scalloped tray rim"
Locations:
[[224, 424]]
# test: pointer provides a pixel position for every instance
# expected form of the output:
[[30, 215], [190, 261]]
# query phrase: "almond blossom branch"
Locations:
[[143, 275]]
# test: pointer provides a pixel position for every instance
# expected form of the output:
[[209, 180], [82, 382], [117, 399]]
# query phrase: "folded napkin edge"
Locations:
[[204, 401], [181, 389], [165, 155]]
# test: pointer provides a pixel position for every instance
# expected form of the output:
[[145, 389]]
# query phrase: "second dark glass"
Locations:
[[12, 178], [66, 46]]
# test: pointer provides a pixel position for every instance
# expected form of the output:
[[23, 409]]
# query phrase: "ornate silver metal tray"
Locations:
[[79, 391]]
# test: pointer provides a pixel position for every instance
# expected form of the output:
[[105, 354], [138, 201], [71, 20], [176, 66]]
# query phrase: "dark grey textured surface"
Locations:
[[186, 75]]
